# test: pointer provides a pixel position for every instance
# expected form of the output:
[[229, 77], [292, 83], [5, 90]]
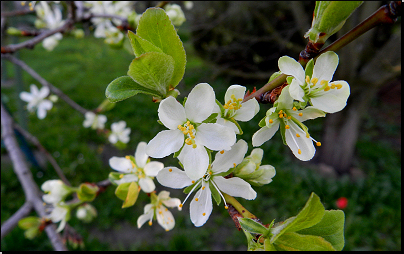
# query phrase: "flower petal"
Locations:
[[195, 161], [325, 66], [120, 164], [165, 143], [333, 100], [215, 136], [172, 202], [200, 103], [152, 168], [200, 210], [302, 142], [227, 160], [264, 134], [140, 154], [227, 123], [43, 92], [308, 113], [165, 218], [237, 90], [146, 184], [290, 66], [171, 113], [247, 111], [235, 187], [173, 177], [25, 96], [296, 91]]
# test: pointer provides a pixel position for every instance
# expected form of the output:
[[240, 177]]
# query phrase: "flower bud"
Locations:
[[328, 18], [86, 213], [251, 170], [175, 14], [87, 192]]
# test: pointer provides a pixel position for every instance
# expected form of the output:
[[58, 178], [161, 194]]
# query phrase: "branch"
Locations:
[[50, 158], [45, 83], [31, 43], [31, 190], [10, 224]]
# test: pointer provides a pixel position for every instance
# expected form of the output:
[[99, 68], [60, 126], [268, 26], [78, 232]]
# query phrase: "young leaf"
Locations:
[[153, 71], [122, 191], [156, 27], [140, 45], [331, 228], [253, 226], [309, 68], [311, 214], [293, 242], [124, 87], [133, 193]]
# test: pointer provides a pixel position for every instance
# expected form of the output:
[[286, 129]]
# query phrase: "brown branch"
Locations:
[[31, 190], [32, 42], [50, 158], [43, 82], [16, 13], [12, 222]]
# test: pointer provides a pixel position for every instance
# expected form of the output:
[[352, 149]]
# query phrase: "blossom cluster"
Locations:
[[308, 95]]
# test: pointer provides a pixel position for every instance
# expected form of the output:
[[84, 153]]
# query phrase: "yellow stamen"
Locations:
[[339, 86], [314, 80], [327, 88], [270, 121], [192, 181], [287, 127], [121, 176], [297, 135], [299, 151], [210, 173], [204, 214], [226, 207], [307, 79], [180, 205], [203, 187], [318, 143], [170, 170], [294, 108], [300, 114], [196, 199], [234, 165], [150, 223], [221, 152]]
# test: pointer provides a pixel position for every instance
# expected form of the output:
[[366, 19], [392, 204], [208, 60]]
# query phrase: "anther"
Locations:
[[270, 121], [318, 143], [314, 80], [150, 223], [221, 152], [294, 108], [170, 170], [297, 135], [196, 199], [300, 114], [287, 127], [299, 151], [204, 214]]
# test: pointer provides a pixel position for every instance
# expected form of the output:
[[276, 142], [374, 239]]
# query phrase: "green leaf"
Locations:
[[133, 193], [122, 191], [211, 118], [87, 192], [140, 45], [29, 222], [268, 246], [31, 233], [215, 193], [262, 122], [124, 87], [311, 214], [331, 228], [153, 71], [252, 226], [293, 242], [309, 68], [274, 76], [329, 17], [156, 27]]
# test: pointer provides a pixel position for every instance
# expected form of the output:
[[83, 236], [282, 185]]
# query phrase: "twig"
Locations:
[[31, 190], [50, 158], [32, 42], [10, 224], [45, 83], [16, 13]]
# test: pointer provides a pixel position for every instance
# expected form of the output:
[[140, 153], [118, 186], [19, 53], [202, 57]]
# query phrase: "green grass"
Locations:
[[83, 68]]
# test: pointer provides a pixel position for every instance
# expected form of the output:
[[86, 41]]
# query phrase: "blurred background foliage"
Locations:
[[226, 43]]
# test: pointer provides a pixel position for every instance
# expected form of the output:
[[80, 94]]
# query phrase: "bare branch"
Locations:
[[10, 224], [45, 83], [50, 158], [31, 190], [31, 43]]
